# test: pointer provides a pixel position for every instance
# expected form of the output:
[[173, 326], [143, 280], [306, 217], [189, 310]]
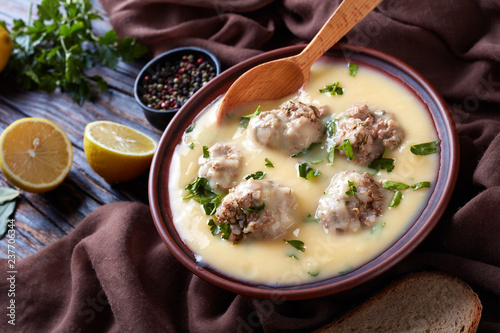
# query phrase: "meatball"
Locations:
[[261, 209], [370, 133], [292, 128], [343, 208], [222, 166]]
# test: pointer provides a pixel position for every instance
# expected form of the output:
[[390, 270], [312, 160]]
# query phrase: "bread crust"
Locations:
[[427, 302]]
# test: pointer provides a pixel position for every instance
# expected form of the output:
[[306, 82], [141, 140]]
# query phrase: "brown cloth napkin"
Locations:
[[113, 273]]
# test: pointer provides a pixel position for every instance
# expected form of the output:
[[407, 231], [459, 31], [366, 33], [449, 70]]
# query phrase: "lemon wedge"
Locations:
[[116, 152], [35, 154]]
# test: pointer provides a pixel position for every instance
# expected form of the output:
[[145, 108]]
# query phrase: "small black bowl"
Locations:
[[161, 118]]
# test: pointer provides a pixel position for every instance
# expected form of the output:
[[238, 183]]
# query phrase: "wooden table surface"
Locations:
[[41, 219]]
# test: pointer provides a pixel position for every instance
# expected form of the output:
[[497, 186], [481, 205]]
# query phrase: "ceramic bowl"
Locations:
[[161, 118], [402, 247]]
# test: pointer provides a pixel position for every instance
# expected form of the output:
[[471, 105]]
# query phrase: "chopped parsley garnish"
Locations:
[[214, 228], [390, 185], [396, 198], [190, 128], [310, 218], [420, 185], [352, 188], [223, 229], [269, 164], [257, 175], [425, 148], [313, 274], [346, 146], [201, 191], [353, 69], [191, 145], [331, 127], [346, 270], [299, 245], [246, 119], [333, 89], [397, 187], [382, 163], [206, 154], [293, 256], [305, 171]]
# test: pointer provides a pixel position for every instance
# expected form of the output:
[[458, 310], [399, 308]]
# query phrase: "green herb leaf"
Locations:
[[201, 191], [54, 50], [206, 154], [396, 198], [331, 127], [420, 185], [330, 157], [348, 149], [425, 148], [299, 245], [352, 188], [390, 185], [309, 218], [269, 164], [347, 269], [333, 89], [225, 229], [382, 163], [191, 145], [313, 274], [246, 119], [214, 228], [257, 175], [346, 146], [353, 69], [305, 171], [190, 128]]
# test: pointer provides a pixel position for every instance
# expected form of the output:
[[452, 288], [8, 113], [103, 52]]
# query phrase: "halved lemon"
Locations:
[[35, 154], [116, 152]]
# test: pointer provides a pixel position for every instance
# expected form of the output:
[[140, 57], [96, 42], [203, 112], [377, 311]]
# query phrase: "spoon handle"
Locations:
[[347, 15]]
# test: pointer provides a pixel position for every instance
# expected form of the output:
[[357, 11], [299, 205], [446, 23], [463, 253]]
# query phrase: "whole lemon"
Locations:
[[6, 46]]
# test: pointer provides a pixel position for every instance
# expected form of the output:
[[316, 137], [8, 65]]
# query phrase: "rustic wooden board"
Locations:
[[41, 219]]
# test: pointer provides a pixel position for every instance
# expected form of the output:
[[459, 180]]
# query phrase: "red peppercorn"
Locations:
[[199, 61]]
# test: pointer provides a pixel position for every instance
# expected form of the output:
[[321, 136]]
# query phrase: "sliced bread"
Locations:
[[421, 302]]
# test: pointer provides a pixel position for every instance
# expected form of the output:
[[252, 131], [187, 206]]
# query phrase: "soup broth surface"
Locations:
[[276, 262]]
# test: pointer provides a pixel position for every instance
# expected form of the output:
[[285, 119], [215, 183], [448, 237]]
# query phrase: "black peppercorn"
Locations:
[[170, 86]]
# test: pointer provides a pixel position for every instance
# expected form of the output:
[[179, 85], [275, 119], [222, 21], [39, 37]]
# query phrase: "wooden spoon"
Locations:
[[278, 78]]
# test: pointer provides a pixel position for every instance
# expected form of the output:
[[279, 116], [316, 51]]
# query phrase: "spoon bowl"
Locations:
[[278, 78]]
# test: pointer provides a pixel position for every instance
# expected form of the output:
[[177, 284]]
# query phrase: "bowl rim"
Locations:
[[448, 168], [158, 58]]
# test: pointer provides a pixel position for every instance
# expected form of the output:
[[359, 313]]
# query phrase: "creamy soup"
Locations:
[[323, 254]]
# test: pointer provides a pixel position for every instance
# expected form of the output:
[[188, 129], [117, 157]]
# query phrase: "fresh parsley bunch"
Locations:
[[55, 49]]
